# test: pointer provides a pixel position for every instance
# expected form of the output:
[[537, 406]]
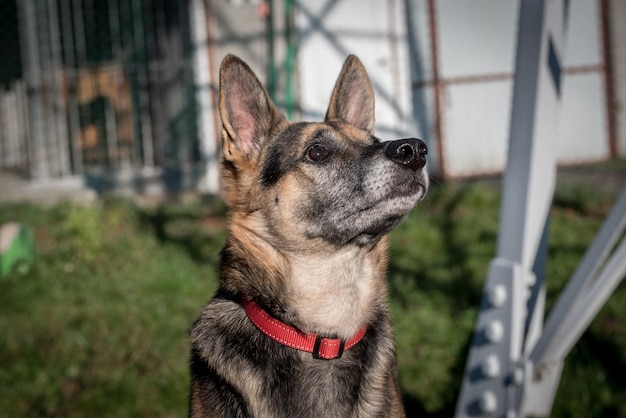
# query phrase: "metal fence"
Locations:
[[89, 87]]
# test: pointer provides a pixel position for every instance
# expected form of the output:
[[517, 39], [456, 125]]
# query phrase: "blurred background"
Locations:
[[122, 93], [109, 157]]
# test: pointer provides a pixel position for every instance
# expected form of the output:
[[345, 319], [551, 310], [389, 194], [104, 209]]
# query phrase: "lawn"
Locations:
[[97, 326]]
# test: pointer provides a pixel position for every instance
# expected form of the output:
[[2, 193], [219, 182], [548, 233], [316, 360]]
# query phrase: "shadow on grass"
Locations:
[[594, 372], [461, 287], [199, 227], [414, 408]]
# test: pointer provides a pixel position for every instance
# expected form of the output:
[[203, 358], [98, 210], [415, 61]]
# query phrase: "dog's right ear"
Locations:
[[352, 99], [248, 115]]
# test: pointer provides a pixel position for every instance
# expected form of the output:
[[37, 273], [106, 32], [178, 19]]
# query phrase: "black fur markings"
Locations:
[[223, 398], [280, 158], [273, 168]]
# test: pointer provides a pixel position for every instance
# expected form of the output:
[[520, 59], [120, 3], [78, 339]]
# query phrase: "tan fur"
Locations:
[[335, 290]]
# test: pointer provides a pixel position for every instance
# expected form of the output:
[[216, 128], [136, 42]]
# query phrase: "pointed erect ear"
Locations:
[[248, 115], [352, 100]]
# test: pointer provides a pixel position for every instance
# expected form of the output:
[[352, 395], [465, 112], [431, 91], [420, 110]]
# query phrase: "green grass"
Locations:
[[97, 327]]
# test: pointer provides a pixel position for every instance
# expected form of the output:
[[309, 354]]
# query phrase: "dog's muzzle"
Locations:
[[408, 152]]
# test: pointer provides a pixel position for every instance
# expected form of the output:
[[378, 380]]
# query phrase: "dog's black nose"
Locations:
[[410, 152]]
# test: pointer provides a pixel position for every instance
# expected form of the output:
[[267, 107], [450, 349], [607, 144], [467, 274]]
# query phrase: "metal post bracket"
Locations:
[[493, 367]]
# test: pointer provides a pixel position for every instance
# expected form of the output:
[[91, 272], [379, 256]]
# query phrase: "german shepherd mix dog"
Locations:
[[300, 325]]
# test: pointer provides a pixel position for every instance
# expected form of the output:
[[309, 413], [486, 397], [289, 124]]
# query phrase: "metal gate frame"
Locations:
[[144, 110]]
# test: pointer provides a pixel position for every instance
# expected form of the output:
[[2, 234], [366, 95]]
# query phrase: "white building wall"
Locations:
[[470, 68], [477, 51], [477, 42], [373, 30], [583, 134]]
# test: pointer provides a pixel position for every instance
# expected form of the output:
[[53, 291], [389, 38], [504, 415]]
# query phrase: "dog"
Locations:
[[300, 325], [93, 90]]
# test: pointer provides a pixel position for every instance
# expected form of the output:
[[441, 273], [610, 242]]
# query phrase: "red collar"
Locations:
[[322, 348]]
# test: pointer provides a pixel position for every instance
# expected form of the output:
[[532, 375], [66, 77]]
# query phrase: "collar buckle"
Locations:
[[318, 344]]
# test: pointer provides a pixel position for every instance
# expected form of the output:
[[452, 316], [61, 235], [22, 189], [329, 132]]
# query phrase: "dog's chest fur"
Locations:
[[265, 379], [335, 292]]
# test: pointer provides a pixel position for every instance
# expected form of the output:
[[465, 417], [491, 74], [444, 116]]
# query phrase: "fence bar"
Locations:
[[32, 73], [68, 86], [57, 111], [202, 88]]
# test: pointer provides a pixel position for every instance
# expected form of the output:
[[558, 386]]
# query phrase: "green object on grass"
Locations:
[[17, 248]]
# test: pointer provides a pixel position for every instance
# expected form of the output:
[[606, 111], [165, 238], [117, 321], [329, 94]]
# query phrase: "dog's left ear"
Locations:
[[248, 114], [352, 100]]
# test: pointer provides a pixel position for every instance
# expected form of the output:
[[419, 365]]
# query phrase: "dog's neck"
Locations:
[[337, 292], [330, 291]]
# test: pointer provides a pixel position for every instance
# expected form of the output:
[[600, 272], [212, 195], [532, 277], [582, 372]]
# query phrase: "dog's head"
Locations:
[[308, 184]]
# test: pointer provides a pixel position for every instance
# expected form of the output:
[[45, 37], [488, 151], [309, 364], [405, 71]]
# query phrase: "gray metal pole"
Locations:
[[588, 289], [495, 368], [575, 324], [586, 271], [577, 306]]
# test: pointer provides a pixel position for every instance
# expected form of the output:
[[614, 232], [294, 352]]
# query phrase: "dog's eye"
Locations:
[[317, 153]]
